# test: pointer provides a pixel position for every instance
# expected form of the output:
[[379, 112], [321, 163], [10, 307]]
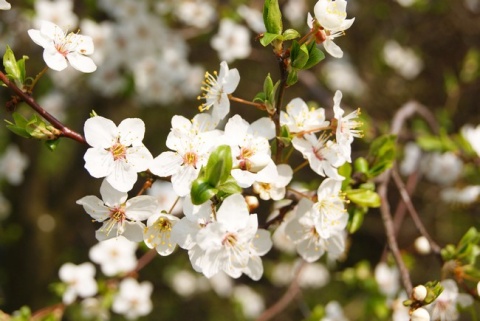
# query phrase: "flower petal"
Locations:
[[131, 131], [98, 162], [100, 132], [81, 63]]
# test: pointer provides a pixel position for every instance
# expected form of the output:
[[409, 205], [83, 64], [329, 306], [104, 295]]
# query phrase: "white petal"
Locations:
[[233, 213], [94, 207], [166, 164], [81, 63], [231, 81], [262, 242], [184, 233], [131, 131], [263, 127], [100, 132], [84, 44], [141, 207], [333, 49], [54, 59], [254, 268], [39, 38], [134, 231], [98, 162], [123, 176], [110, 196], [139, 157], [182, 180]]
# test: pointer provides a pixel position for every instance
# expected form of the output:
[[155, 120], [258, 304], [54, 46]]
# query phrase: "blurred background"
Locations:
[[151, 58]]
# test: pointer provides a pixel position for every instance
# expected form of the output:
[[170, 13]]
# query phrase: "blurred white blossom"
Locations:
[[403, 60], [442, 168], [196, 13], [445, 306], [4, 5], [133, 298], [80, 281], [232, 41], [12, 164], [59, 12], [115, 256], [252, 303]]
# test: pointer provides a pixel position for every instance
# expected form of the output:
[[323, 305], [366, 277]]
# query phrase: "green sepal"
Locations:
[[268, 86], [290, 34], [363, 197], [315, 55], [434, 289], [346, 171], [219, 165], [202, 191], [272, 17], [267, 38], [52, 144]]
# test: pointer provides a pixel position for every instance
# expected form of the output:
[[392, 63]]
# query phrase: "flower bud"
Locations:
[[419, 293], [422, 245], [252, 202], [420, 314], [478, 288]]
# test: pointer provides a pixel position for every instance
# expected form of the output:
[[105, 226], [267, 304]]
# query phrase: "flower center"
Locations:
[[229, 240], [333, 10], [245, 154], [117, 216], [118, 151], [190, 158], [212, 91]]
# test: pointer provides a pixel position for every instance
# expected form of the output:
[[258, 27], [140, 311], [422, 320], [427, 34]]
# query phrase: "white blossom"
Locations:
[[216, 91], [251, 302], [119, 215], [157, 234], [80, 281], [117, 153], [115, 256], [420, 314], [12, 164], [422, 245], [403, 60], [191, 143], [198, 14], [253, 18], [60, 12], [334, 312], [232, 41], [472, 135], [300, 118], [444, 308], [276, 189], [347, 126], [4, 5], [387, 278], [60, 47], [465, 195], [93, 308], [411, 158], [133, 299], [250, 149], [331, 15], [442, 168], [166, 197]]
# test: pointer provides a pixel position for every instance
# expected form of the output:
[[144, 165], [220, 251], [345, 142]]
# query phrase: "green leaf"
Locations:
[[364, 197], [219, 165], [229, 187], [361, 165], [381, 154], [267, 38], [20, 131], [10, 64], [346, 171], [268, 86], [201, 191], [315, 55], [292, 77], [290, 34], [298, 55], [356, 219], [260, 97], [272, 17]]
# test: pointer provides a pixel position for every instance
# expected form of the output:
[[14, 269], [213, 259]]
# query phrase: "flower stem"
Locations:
[[37, 78], [278, 106], [246, 102], [299, 167]]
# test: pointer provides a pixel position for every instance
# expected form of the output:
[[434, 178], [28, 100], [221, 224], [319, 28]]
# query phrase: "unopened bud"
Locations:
[[252, 202], [420, 314], [478, 288], [419, 293], [422, 245]]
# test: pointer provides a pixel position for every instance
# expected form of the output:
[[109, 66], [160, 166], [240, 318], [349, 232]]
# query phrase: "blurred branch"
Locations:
[[413, 212], [401, 116], [292, 291], [65, 131]]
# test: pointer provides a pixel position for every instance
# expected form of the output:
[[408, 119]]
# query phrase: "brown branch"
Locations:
[[278, 106], [292, 291], [246, 102], [65, 131], [413, 212], [405, 112]]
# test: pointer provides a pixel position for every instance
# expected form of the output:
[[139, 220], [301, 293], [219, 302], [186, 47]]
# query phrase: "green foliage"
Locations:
[[303, 57], [381, 155], [363, 197], [15, 69], [35, 127], [436, 143], [272, 17], [267, 96], [466, 250], [215, 179]]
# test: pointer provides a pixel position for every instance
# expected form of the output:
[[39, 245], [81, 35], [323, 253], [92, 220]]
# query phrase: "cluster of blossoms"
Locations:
[[221, 237]]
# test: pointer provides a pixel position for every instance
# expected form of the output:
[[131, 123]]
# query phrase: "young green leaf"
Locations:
[[290, 34], [363, 197], [267, 38], [272, 17]]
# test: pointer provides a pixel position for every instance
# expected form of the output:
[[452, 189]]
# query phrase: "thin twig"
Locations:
[[292, 291], [413, 212], [278, 106], [246, 102], [65, 131]]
